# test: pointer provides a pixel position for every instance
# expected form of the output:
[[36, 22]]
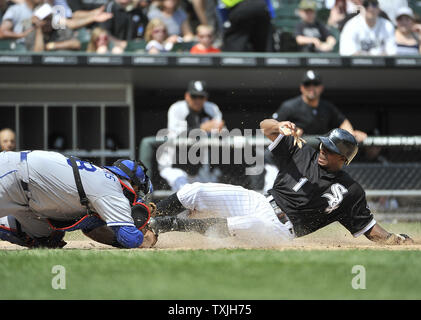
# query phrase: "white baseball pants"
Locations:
[[247, 211]]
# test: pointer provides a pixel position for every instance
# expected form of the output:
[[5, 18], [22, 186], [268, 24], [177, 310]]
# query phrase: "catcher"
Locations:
[[45, 194], [310, 192]]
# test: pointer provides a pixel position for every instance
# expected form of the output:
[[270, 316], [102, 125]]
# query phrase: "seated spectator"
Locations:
[[46, 38], [17, 20], [368, 33], [205, 35], [353, 8], [99, 41], [156, 35], [407, 34], [174, 17], [128, 23], [205, 12], [311, 35], [7, 140]]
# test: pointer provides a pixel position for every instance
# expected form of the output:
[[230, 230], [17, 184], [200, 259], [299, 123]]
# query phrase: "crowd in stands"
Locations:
[[349, 27]]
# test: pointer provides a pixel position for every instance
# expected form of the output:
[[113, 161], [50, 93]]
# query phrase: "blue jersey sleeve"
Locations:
[[128, 236]]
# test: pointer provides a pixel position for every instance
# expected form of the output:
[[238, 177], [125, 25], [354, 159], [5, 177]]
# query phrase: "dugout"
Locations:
[[105, 105]]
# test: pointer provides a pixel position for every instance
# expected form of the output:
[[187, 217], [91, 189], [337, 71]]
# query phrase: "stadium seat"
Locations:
[[337, 34], [416, 6], [7, 45], [182, 46], [286, 17], [84, 37], [84, 45], [284, 23], [323, 15], [136, 46]]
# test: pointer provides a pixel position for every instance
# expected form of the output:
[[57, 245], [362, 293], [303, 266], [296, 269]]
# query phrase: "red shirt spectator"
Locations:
[[205, 36], [199, 49]]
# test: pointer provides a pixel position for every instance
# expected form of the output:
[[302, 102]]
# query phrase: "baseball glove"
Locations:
[[149, 238], [106, 235]]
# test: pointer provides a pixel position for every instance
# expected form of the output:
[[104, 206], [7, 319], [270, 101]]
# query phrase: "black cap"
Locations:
[[197, 88], [311, 77]]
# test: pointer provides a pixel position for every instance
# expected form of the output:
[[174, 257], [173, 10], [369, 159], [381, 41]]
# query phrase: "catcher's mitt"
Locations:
[[106, 235], [297, 139], [149, 238]]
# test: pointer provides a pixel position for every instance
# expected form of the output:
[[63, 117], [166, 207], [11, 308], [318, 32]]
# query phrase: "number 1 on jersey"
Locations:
[[299, 184]]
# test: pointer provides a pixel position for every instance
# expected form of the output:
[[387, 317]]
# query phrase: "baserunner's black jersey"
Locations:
[[313, 197]]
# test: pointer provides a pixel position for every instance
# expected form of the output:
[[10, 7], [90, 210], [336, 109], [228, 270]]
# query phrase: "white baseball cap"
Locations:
[[405, 11]]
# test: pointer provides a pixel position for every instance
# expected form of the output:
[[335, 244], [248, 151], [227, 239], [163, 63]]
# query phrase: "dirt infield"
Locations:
[[195, 241], [332, 237]]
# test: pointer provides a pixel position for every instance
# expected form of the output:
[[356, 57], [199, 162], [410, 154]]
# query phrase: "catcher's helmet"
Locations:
[[134, 171], [341, 142]]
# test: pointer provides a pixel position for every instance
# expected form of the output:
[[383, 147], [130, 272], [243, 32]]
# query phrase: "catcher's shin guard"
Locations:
[[12, 236], [170, 206], [55, 240], [163, 224]]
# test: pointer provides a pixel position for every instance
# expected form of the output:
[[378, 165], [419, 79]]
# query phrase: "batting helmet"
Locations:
[[341, 142], [134, 171]]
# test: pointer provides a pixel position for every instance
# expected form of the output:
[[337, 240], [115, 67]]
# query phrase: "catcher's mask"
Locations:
[[135, 172], [341, 142]]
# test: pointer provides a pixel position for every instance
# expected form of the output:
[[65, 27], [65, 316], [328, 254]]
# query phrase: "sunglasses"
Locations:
[[195, 96], [205, 36], [311, 83]]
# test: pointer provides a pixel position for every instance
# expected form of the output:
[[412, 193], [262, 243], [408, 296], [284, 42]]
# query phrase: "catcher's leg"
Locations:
[[9, 233], [12, 231]]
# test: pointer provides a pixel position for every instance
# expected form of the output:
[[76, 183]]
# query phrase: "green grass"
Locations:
[[210, 274]]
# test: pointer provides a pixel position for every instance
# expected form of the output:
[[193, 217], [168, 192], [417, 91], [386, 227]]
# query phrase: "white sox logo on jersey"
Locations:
[[335, 198]]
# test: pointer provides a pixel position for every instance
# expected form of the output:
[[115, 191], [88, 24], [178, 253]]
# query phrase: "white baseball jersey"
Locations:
[[357, 36], [245, 210], [180, 120], [178, 112], [53, 192]]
